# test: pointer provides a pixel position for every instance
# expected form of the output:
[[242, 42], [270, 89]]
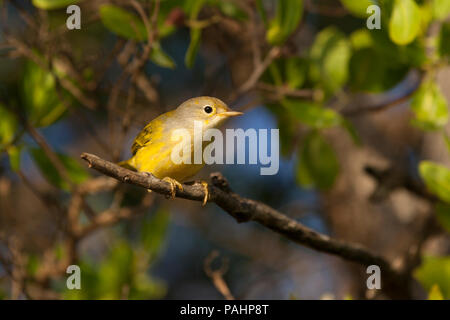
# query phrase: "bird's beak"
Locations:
[[230, 113]]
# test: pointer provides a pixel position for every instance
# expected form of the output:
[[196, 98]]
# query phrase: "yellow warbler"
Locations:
[[152, 148]]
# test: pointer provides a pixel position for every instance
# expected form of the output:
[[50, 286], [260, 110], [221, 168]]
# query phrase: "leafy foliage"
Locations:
[[403, 26], [40, 98], [75, 171], [8, 125], [437, 179], [122, 22], [53, 4], [430, 107], [358, 8], [123, 272], [287, 18], [435, 271], [330, 56], [318, 165]]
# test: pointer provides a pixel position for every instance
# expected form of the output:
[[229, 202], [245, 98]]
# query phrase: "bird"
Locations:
[[152, 148]]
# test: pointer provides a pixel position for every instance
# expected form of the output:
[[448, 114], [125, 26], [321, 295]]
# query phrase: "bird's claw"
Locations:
[[174, 184], [205, 189]]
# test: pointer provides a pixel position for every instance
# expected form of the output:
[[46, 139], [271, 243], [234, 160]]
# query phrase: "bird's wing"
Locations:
[[143, 138]]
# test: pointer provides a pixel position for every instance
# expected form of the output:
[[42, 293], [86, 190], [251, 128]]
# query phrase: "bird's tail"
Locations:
[[127, 164]]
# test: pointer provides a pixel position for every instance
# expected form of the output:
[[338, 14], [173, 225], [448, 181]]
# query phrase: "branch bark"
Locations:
[[244, 209]]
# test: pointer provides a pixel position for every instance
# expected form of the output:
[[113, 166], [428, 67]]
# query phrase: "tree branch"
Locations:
[[243, 210]]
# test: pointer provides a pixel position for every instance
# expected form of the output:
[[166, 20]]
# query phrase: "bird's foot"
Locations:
[[205, 189], [174, 184]]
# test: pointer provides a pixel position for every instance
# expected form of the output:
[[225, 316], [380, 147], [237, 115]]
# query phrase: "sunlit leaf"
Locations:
[[435, 271], [318, 165], [361, 38], [435, 293], [430, 107], [330, 55], [286, 21], [403, 24], [123, 22], [437, 179], [440, 9], [76, 173], [53, 4], [312, 114], [159, 57], [358, 8], [8, 125]]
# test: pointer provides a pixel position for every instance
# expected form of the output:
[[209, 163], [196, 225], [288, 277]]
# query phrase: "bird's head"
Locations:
[[212, 112]]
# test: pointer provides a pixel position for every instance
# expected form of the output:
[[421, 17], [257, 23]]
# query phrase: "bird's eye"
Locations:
[[208, 109]]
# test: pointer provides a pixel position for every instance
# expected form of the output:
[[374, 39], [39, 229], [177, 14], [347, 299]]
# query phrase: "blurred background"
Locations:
[[363, 119]]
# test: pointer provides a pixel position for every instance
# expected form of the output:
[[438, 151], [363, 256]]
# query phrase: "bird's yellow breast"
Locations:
[[155, 157]]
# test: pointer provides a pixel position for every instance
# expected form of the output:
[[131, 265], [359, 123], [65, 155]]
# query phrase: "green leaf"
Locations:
[[295, 71], [435, 293], [122, 22], [437, 179], [318, 117], [358, 8], [193, 47], [53, 4], [262, 11], [77, 174], [229, 8], [440, 9], [8, 125], [430, 107], [116, 271], [14, 153], [154, 230], [404, 23], [347, 125], [367, 71], [443, 46], [447, 141], [435, 271], [330, 56], [159, 57], [318, 165], [287, 18], [443, 215], [195, 33], [312, 114], [361, 38], [40, 98]]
